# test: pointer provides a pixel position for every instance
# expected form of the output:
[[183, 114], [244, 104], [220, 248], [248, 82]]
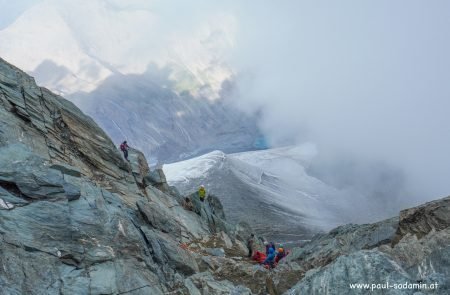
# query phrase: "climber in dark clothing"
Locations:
[[280, 254], [250, 244], [269, 246], [124, 148], [187, 204]]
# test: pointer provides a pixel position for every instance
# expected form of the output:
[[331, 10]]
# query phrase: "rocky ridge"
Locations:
[[412, 248], [75, 218]]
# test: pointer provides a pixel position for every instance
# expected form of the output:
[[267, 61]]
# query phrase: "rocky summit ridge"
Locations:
[[75, 218]]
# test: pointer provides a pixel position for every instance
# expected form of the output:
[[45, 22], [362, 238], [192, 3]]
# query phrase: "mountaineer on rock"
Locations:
[[280, 254], [202, 193], [250, 245], [270, 258], [124, 148], [187, 204], [269, 246]]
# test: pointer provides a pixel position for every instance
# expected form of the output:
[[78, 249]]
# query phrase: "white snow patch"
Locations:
[[121, 228], [193, 168], [6, 205], [58, 253]]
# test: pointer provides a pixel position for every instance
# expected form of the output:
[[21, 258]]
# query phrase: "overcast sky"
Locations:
[[10, 10], [365, 78]]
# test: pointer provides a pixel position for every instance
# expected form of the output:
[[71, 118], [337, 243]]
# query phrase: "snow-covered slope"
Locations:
[[252, 189], [273, 190]]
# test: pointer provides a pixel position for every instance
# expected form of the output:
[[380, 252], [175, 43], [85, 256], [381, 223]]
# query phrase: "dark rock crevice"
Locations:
[[15, 110], [12, 188], [144, 238], [28, 248]]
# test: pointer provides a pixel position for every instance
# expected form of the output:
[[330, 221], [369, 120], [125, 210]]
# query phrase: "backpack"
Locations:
[[122, 147]]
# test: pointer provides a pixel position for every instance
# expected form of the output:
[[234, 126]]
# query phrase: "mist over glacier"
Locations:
[[366, 83]]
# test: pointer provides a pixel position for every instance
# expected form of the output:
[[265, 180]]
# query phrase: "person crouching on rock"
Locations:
[[280, 254], [202, 193], [124, 148], [187, 204], [250, 244]]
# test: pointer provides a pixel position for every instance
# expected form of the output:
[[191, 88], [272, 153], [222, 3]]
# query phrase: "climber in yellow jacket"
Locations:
[[202, 193]]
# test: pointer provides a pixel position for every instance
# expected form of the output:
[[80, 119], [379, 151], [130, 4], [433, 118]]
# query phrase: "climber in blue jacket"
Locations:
[[270, 258]]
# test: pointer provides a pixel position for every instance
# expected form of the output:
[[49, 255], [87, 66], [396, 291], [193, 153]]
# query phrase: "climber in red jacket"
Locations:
[[124, 148]]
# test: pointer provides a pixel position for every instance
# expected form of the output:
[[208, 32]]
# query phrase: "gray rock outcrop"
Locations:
[[75, 218], [410, 251]]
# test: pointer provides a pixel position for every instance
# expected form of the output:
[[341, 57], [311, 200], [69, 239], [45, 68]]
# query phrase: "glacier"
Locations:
[[275, 191]]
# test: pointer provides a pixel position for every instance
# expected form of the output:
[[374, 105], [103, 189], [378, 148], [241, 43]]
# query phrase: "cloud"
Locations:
[[368, 79]]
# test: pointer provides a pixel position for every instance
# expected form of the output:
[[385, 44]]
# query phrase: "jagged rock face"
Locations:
[[157, 179], [57, 131], [212, 213], [75, 218], [417, 250], [61, 245], [53, 127], [356, 267], [423, 219], [342, 240]]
